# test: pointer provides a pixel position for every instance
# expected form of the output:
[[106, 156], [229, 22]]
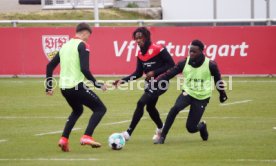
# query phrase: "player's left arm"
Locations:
[[169, 63], [49, 73], [218, 81]]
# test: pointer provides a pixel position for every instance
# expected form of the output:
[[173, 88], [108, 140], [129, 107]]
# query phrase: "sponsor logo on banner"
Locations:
[[212, 51], [52, 43]]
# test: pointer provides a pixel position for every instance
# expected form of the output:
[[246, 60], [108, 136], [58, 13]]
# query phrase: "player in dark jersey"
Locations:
[[152, 60], [197, 89], [74, 67]]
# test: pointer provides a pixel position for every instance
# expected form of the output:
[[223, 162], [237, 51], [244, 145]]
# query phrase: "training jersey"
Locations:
[[70, 72], [212, 66], [80, 63], [156, 59], [197, 81]]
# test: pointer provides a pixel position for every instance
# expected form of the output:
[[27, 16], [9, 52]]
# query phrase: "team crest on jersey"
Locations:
[[52, 43], [150, 51]]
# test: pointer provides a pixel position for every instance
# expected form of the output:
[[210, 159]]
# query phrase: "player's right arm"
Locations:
[[49, 73], [135, 75]]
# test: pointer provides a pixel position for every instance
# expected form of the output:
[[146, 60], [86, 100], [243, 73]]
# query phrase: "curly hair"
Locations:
[[144, 31]]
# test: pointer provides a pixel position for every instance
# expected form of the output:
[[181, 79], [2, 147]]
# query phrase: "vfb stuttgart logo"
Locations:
[[52, 44]]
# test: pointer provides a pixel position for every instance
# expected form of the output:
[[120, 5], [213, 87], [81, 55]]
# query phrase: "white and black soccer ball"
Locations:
[[116, 141]]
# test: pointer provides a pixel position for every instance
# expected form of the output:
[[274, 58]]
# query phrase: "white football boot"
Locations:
[[157, 135], [126, 135]]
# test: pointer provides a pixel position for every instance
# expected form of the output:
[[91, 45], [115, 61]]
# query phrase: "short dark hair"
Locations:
[[83, 26], [144, 31], [198, 43]]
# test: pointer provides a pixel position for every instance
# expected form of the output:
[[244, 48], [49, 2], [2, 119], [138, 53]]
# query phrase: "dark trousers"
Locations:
[[76, 98], [148, 99], [197, 108]]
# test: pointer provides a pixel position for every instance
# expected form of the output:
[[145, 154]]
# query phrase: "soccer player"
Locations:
[[152, 60], [196, 91], [74, 67]]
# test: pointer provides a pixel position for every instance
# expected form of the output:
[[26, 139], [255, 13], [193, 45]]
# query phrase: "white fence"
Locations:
[[74, 4], [213, 22]]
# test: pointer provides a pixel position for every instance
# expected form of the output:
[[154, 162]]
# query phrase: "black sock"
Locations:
[[129, 130], [200, 125]]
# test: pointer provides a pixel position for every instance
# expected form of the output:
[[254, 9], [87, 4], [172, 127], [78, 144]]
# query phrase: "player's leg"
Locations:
[[182, 101], [153, 112], [155, 116], [193, 123], [92, 101], [138, 113], [77, 110], [151, 106], [72, 119]]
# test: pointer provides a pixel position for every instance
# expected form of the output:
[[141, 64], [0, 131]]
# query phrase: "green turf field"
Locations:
[[241, 133]]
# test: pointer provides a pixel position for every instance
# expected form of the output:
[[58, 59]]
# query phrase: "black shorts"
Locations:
[[156, 89], [81, 95]]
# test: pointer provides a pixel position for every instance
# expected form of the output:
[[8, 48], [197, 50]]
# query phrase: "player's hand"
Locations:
[[223, 97], [50, 93], [104, 87], [149, 75], [117, 83]]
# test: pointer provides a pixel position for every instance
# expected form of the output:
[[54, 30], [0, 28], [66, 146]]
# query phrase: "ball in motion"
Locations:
[[116, 141]]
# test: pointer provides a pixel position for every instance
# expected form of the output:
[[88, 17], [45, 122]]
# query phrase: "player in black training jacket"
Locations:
[[152, 60], [197, 89]]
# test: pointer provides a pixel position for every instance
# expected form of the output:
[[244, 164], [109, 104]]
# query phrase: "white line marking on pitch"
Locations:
[[214, 117], [50, 159], [105, 124], [120, 122], [254, 160], [54, 132], [113, 123], [236, 102], [228, 117], [3, 140]]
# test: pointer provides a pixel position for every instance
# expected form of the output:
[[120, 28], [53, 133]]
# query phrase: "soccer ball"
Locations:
[[116, 141]]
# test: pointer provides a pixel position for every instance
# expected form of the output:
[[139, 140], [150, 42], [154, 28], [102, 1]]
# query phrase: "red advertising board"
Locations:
[[237, 50]]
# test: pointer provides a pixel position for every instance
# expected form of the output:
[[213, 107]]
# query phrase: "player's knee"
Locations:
[[141, 104], [139, 112], [191, 128], [150, 108], [103, 109], [175, 109], [78, 112], [100, 109]]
